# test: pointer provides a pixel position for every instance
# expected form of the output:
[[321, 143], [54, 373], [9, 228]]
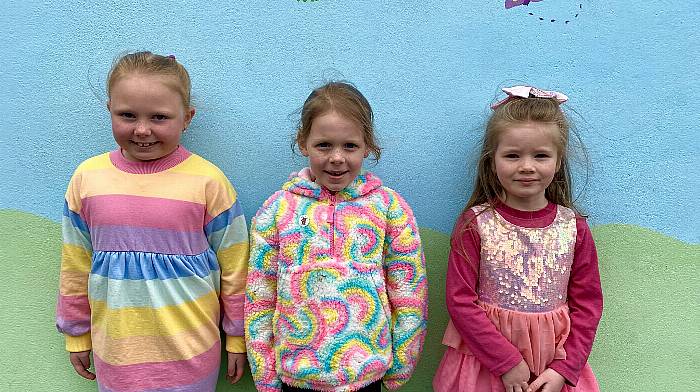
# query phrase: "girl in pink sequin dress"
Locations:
[[523, 288]]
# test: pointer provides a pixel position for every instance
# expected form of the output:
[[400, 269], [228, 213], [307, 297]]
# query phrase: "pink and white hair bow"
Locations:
[[528, 92]]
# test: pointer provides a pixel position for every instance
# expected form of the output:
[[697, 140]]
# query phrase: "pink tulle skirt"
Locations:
[[539, 337]]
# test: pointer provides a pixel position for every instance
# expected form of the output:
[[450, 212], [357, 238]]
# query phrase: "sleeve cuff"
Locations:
[[506, 366], [235, 344], [570, 378], [76, 344]]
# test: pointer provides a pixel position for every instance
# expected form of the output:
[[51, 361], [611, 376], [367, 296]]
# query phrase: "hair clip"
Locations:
[[528, 92], [171, 56]]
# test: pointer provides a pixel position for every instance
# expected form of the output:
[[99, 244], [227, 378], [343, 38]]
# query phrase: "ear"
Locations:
[[188, 116], [302, 148], [109, 106]]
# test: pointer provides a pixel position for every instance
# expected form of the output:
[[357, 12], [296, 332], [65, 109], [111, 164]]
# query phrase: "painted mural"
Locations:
[[430, 72]]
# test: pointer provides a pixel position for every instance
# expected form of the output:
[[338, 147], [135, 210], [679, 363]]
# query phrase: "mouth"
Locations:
[[144, 145], [335, 173]]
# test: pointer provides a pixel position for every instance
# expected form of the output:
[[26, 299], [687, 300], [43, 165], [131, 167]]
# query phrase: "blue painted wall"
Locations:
[[429, 69]]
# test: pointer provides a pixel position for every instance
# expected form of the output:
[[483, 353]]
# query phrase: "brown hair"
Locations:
[[152, 64], [346, 100], [487, 188]]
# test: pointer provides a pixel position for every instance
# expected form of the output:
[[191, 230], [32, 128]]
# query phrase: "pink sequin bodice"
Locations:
[[525, 269]]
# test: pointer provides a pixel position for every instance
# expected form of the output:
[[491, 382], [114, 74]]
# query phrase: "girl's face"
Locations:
[[336, 148], [525, 162], [148, 116]]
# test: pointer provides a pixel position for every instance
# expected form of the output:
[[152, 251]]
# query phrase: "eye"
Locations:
[[351, 146], [160, 117], [511, 155], [542, 155], [323, 145], [127, 115]]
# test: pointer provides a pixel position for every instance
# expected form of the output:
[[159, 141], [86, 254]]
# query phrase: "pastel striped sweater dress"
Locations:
[[150, 251], [337, 290]]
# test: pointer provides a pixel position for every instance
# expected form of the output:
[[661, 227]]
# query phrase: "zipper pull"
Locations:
[[331, 214]]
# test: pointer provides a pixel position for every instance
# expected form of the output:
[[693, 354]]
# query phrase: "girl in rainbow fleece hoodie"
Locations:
[[336, 292]]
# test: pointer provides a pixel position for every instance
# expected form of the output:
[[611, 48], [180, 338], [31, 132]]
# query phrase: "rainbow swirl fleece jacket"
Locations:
[[150, 250], [336, 293]]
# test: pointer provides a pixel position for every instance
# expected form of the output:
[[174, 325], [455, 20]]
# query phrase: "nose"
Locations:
[[337, 156], [527, 165], [142, 129]]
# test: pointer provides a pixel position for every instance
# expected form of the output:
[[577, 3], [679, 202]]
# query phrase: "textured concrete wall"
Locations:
[[430, 69]]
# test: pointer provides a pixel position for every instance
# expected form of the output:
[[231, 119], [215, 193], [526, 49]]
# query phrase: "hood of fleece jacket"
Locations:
[[300, 183]]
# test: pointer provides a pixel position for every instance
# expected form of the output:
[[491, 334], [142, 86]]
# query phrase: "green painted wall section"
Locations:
[[647, 340]]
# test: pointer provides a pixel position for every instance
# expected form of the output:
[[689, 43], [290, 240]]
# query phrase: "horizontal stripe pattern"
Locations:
[[154, 293], [192, 375], [146, 239], [140, 211], [235, 233], [74, 218], [146, 255], [166, 320], [73, 315], [155, 348], [143, 265]]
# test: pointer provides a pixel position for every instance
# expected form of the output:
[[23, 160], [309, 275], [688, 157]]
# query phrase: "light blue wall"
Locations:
[[429, 69]]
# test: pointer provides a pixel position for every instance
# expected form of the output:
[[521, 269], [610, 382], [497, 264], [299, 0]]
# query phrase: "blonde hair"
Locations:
[[148, 63], [487, 188], [346, 100]]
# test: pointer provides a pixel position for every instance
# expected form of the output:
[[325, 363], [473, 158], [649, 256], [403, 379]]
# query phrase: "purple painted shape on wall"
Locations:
[[514, 3]]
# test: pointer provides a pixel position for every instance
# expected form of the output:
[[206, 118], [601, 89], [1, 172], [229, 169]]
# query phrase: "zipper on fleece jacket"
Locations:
[[331, 222]]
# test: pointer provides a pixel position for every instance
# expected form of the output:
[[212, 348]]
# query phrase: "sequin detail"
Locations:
[[525, 269]]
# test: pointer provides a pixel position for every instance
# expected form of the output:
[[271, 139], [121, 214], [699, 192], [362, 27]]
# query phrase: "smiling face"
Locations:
[[148, 116], [525, 162], [336, 148]]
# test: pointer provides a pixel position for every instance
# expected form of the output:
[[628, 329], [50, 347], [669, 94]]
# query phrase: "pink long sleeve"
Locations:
[[585, 299], [478, 332]]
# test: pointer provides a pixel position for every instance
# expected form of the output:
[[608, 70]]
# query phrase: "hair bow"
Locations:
[[528, 92]]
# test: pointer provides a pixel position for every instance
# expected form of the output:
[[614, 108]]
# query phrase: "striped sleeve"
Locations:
[[261, 296], [227, 235], [72, 306], [407, 289]]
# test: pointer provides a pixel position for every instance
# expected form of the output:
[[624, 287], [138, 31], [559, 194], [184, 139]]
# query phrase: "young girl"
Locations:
[[336, 293], [154, 238], [523, 289]]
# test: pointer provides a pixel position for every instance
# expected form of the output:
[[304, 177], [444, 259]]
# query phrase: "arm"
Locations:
[[261, 297], [585, 298], [407, 290], [72, 307], [228, 236], [482, 338]]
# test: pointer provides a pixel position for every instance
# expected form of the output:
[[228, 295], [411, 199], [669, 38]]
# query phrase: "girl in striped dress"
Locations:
[[155, 246]]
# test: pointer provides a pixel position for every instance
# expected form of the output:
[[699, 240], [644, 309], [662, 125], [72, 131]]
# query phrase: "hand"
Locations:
[[549, 381], [236, 367], [81, 364], [515, 379]]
